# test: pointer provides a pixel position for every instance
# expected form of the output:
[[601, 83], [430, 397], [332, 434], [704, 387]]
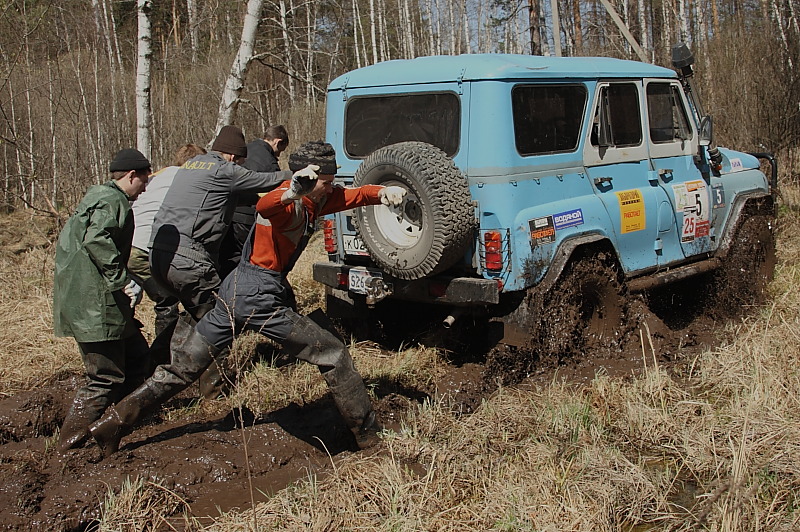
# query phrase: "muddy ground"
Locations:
[[205, 461]]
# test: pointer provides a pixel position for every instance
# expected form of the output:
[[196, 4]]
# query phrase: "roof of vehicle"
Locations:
[[472, 67]]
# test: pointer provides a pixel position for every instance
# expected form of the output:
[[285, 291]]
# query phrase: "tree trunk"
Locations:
[[373, 32], [229, 103], [556, 28], [144, 116], [191, 8]]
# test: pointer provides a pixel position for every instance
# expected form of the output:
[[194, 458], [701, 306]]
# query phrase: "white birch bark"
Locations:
[[465, 18], [782, 31], [556, 27], [144, 116], [355, 34], [643, 25], [194, 41], [429, 16], [287, 45], [229, 103], [386, 53], [372, 31], [452, 20], [683, 17]]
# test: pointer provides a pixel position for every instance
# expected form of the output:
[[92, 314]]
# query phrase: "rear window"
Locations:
[[547, 118], [378, 121]]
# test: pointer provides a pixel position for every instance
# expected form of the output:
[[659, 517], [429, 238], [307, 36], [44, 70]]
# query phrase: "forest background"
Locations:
[[68, 95]]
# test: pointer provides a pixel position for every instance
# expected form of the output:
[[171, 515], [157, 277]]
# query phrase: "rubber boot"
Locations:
[[191, 355], [352, 400], [75, 429], [118, 420], [310, 341], [214, 382], [165, 318]]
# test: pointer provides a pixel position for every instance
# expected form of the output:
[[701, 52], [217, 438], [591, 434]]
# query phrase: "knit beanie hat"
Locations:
[[127, 160], [317, 152], [230, 140]]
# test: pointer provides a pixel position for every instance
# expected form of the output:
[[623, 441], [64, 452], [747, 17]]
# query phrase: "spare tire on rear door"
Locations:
[[432, 228]]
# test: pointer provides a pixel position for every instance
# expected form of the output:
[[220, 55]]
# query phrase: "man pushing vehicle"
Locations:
[[256, 296]]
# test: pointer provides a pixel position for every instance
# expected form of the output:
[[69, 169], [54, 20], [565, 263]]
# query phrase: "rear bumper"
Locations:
[[463, 291]]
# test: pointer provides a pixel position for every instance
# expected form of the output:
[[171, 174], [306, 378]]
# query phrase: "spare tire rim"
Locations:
[[401, 225]]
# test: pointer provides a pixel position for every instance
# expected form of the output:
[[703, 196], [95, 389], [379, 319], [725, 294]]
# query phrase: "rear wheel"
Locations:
[[584, 310], [584, 313]]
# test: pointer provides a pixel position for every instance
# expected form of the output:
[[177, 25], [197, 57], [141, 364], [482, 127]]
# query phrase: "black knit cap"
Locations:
[[127, 160], [317, 152], [230, 140]]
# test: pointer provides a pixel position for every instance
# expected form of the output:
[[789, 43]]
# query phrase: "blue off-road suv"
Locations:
[[540, 191]]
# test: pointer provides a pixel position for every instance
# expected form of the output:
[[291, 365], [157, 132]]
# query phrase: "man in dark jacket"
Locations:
[[255, 297], [262, 156], [94, 296], [195, 215]]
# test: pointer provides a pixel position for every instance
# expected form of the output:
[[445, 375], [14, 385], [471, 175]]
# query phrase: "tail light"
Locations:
[[329, 232], [493, 246]]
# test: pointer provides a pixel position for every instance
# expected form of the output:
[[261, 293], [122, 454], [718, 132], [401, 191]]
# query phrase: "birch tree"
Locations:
[[229, 103], [191, 8], [144, 116]]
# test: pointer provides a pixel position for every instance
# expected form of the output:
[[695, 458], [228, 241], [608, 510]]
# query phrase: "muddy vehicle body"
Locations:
[[526, 174]]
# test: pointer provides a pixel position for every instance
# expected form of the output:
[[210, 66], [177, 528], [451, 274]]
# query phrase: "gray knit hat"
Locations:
[[317, 152], [230, 140]]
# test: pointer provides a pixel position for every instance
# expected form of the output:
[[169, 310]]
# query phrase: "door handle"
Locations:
[[602, 180]]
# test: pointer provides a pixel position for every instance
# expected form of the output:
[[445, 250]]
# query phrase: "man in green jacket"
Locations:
[[94, 296]]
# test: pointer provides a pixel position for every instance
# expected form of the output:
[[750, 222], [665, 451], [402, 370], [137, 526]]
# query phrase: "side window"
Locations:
[[618, 122], [374, 122], [667, 116], [547, 118]]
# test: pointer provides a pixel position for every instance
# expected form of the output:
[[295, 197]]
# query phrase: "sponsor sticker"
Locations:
[[566, 219], [543, 231], [631, 211]]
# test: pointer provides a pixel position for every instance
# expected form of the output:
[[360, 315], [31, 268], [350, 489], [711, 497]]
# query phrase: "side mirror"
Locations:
[[706, 136]]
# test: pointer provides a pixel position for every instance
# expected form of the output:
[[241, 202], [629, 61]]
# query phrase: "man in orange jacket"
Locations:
[[255, 296]]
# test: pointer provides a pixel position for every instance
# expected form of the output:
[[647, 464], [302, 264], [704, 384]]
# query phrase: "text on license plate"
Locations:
[[358, 280], [354, 245]]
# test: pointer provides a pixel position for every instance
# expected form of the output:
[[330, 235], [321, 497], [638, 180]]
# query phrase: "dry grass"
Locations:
[[142, 505]]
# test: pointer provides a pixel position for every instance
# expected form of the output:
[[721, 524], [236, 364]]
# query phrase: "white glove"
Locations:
[[392, 195], [302, 182], [133, 291]]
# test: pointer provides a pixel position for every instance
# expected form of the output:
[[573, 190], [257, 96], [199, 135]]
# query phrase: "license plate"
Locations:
[[354, 245], [359, 279]]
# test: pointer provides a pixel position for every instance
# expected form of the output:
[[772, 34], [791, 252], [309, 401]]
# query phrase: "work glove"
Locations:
[[302, 182], [392, 195], [134, 292]]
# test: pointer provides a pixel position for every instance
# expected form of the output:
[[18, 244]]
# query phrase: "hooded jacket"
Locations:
[[90, 273]]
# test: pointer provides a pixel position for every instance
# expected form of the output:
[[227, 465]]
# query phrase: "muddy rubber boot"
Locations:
[[75, 429], [165, 319], [212, 383], [191, 355], [351, 398]]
